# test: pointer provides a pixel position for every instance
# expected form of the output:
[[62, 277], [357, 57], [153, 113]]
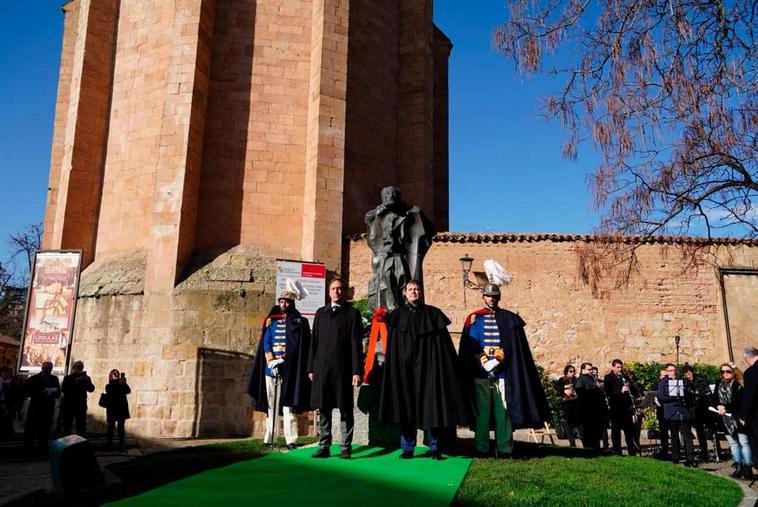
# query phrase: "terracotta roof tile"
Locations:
[[473, 237]]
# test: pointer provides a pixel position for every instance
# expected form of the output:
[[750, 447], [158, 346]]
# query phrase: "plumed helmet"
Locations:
[[491, 290], [288, 294]]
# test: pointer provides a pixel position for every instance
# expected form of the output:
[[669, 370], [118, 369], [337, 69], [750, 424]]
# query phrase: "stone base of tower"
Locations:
[[188, 354]]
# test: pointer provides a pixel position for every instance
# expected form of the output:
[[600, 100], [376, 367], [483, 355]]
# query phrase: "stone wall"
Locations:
[[193, 381], [568, 322]]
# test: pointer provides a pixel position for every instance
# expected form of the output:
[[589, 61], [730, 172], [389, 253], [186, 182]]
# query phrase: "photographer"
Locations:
[[117, 406], [678, 412], [75, 387]]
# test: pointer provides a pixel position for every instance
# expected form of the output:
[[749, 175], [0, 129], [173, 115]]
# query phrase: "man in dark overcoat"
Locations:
[[678, 411], [421, 388], [335, 366], [42, 390], [621, 393], [75, 387]]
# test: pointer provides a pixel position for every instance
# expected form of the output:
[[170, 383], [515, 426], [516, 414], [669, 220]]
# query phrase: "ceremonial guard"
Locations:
[[279, 383], [500, 370], [421, 387]]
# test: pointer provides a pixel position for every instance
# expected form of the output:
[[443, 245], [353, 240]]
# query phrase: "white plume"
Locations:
[[496, 273], [295, 286]]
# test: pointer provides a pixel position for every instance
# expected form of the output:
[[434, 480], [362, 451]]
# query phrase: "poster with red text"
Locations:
[[312, 277], [50, 310]]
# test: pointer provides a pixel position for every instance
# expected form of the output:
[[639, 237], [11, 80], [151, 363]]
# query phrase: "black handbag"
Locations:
[[103, 402]]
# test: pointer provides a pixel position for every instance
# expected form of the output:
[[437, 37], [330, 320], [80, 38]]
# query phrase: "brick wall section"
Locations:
[[226, 126], [415, 129], [143, 56], [83, 152], [70, 11], [565, 322], [371, 114], [226, 147], [441, 211], [325, 152], [172, 231], [274, 175]]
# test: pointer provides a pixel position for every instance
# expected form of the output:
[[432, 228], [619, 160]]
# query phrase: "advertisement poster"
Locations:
[[50, 310], [312, 276]]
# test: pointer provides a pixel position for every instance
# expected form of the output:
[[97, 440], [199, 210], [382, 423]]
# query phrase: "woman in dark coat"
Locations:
[[726, 399], [117, 406]]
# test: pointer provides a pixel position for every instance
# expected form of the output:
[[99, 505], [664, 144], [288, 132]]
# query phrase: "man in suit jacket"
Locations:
[[335, 366], [749, 404]]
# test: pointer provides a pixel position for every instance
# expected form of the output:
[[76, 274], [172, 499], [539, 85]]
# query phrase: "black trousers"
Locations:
[[121, 432], [664, 428], [591, 433], [702, 438], [630, 435], [38, 422], [69, 414], [683, 429]]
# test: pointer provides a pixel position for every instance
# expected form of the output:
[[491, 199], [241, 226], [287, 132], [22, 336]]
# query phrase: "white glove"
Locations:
[[491, 365]]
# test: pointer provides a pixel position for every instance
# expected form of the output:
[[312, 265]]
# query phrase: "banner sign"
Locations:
[[312, 276], [50, 306]]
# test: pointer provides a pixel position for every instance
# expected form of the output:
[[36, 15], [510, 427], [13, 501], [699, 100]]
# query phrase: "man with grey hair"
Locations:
[[749, 404]]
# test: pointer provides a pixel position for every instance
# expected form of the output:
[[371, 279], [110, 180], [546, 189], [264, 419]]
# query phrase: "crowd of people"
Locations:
[[489, 383], [684, 402], [44, 392]]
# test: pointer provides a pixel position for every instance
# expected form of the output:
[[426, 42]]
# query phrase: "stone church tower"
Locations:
[[195, 142]]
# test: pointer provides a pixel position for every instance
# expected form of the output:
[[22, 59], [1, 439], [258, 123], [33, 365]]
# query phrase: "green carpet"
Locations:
[[374, 476]]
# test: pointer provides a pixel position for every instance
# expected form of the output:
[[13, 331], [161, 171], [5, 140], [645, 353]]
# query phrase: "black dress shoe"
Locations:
[[291, 447], [737, 474], [346, 454], [406, 455], [323, 452], [437, 456], [747, 472]]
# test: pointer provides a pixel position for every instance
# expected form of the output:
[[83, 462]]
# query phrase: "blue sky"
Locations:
[[506, 172]]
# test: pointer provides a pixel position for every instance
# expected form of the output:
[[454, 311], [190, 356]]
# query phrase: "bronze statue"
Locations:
[[399, 236]]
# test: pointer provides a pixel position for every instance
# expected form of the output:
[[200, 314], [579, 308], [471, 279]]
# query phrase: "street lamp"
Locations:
[[466, 263]]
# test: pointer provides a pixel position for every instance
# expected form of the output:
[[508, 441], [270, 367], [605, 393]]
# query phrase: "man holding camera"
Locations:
[[75, 387]]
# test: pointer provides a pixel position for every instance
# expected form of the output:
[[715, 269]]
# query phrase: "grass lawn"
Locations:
[[538, 476], [616, 481]]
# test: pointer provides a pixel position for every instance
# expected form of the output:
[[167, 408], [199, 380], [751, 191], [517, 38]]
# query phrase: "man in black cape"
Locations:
[[421, 388], [282, 358], [335, 365], [525, 402]]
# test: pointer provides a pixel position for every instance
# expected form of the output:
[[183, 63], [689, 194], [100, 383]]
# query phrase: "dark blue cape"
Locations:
[[527, 404], [295, 386]]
